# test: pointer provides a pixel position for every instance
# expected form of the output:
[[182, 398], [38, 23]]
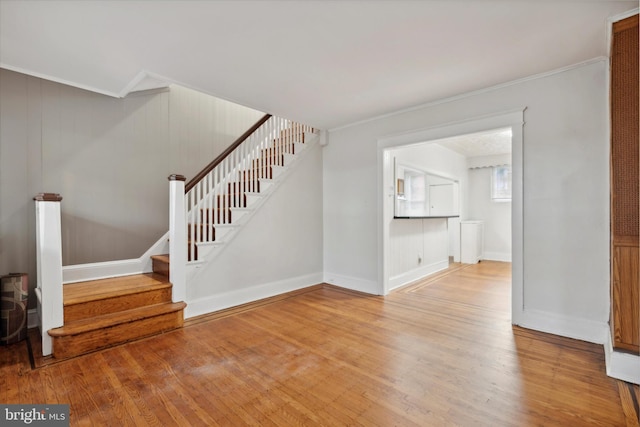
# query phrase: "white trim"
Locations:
[[513, 119], [474, 92], [224, 300], [620, 365], [178, 240], [403, 279], [570, 327], [612, 20], [503, 119], [141, 76], [100, 270], [353, 283], [497, 256], [127, 267], [48, 290], [57, 80]]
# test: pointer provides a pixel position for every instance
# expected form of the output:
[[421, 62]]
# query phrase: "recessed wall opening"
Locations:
[[484, 163], [444, 190]]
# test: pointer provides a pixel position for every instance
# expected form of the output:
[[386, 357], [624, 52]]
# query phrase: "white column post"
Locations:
[[177, 238], [49, 266]]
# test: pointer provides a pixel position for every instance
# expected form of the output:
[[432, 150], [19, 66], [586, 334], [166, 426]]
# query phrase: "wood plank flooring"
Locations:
[[440, 352]]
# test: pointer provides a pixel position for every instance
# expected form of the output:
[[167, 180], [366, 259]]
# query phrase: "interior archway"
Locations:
[[513, 120]]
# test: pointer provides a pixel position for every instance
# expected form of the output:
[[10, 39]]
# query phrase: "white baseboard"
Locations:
[[416, 274], [353, 283], [100, 270], [620, 365], [570, 327], [497, 256], [234, 298], [127, 267]]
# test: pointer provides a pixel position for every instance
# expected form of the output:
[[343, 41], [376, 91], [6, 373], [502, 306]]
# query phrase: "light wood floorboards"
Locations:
[[436, 353]]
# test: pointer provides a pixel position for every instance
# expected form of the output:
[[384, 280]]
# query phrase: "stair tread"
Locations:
[[82, 292], [162, 258], [114, 319]]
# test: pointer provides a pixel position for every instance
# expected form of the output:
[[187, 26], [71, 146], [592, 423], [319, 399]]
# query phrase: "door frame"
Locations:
[[513, 119]]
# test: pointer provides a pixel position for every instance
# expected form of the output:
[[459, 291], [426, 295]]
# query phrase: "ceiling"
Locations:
[[489, 143], [325, 63]]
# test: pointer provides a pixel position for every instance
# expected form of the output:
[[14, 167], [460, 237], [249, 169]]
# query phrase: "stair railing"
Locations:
[[49, 266], [211, 199], [207, 201]]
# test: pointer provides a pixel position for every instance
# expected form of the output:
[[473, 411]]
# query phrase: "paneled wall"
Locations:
[[418, 247], [109, 159]]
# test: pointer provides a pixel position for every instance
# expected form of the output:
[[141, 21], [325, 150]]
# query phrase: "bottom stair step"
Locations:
[[84, 336]]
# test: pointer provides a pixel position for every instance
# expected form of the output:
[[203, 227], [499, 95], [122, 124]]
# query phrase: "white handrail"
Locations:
[[49, 266]]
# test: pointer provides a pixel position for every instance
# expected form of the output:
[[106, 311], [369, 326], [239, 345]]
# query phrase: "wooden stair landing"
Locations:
[[103, 313]]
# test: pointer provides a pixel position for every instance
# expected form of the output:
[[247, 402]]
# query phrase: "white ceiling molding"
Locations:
[[143, 81], [475, 92], [56, 79]]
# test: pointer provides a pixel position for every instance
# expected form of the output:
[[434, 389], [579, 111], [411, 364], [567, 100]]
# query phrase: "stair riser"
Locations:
[[75, 345], [112, 305], [160, 267]]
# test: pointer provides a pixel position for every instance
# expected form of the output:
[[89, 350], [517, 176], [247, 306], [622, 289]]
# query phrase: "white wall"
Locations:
[[278, 250], [566, 191], [108, 158], [419, 247], [496, 215]]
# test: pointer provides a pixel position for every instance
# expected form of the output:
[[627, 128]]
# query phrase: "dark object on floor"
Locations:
[[14, 293]]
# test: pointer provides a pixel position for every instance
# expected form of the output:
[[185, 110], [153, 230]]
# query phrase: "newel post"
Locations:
[[177, 238], [49, 266]]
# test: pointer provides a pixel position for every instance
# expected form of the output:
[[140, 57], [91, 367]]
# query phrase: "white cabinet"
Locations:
[[471, 241]]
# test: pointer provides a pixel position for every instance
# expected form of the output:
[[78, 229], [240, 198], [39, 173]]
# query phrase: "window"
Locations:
[[501, 183]]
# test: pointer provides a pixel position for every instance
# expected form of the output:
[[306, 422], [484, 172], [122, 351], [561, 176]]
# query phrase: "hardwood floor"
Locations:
[[436, 353]]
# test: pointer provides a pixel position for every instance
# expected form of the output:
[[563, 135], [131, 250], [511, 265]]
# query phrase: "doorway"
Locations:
[[512, 121]]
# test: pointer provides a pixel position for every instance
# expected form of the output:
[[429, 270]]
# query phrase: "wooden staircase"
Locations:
[[103, 313], [239, 194], [98, 314]]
